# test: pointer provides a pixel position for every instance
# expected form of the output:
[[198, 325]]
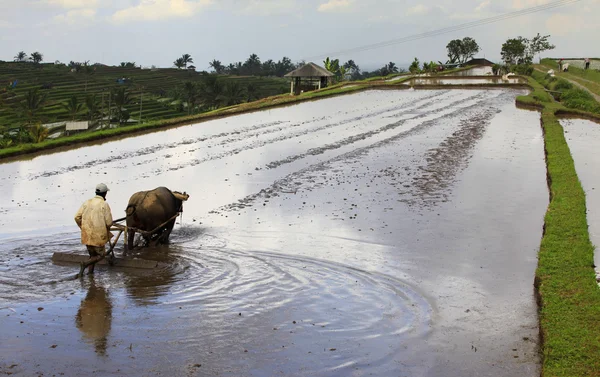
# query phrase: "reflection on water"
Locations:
[[146, 286], [94, 316]]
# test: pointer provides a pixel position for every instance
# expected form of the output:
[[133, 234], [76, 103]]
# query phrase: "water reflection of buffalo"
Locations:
[[153, 213]]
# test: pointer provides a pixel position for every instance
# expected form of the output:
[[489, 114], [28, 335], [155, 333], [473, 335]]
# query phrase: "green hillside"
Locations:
[[154, 87]]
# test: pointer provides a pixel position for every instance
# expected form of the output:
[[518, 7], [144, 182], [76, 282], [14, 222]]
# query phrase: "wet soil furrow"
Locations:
[[305, 177], [234, 136], [262, 143], [430, 182], [365, 135]]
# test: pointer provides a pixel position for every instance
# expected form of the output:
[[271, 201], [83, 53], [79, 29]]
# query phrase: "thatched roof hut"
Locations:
[[310, 70], [309, 77]]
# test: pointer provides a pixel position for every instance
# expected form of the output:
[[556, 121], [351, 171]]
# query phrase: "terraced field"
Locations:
[[150, 87]]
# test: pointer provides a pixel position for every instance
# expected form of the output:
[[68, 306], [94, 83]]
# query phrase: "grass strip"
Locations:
[[567, 292]]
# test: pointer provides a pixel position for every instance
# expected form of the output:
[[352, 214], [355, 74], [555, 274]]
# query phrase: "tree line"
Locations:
[[35, 57]]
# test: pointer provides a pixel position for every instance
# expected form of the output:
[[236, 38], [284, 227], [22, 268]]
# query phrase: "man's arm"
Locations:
[[107, 216], [79, 215]]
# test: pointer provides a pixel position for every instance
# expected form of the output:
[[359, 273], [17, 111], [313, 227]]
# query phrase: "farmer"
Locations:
[[95, 219], [560, 65], [587, 63]]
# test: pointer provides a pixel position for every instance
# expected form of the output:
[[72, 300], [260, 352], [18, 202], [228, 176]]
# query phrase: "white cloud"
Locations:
[[72, 4], [334, 6], [483, 6], [419, 9], [76, 17], [154, 10]]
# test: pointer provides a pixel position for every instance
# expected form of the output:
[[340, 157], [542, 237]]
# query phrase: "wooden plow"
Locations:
[[110, 259]]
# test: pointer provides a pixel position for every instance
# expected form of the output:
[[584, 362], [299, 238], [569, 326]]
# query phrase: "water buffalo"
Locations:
[[153, 211]]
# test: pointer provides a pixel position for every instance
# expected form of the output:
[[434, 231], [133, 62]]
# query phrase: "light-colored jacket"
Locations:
[[95, 219]]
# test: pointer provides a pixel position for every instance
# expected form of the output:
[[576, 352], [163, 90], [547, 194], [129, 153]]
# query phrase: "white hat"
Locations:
[[101, 187]]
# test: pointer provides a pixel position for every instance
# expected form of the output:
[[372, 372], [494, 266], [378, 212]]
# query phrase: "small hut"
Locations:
[[480, 62], [309, 77]]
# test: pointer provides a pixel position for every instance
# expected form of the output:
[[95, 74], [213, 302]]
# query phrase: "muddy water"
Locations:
[[380, 233], [582, 137]]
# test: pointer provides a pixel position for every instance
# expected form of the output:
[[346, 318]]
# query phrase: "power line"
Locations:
[[450, 29]]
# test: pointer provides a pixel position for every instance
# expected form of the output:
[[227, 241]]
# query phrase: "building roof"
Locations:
[[310, 70], [479, 61]]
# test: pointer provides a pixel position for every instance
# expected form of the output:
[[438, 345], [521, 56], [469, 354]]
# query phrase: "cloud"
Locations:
[[334, 6], [154, 10], [482, 6], [419, 9], [72, 4], [562, 24], [76, 17]]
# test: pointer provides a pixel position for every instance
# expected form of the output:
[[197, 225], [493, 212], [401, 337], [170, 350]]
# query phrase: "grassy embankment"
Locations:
[[569, 298], [589, 78]]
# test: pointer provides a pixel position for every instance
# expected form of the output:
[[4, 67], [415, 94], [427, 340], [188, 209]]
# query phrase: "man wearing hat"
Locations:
[[95, 219]]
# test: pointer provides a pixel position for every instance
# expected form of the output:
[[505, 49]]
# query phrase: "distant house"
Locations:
[[480, 61], [192, 68], [309, 77]]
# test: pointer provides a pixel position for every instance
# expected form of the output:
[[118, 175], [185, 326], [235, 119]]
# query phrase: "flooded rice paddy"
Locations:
[[381, 233], [463, 80], [582, 137]]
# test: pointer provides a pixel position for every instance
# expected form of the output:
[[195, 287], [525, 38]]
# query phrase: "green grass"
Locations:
[[569, 298], [569, 95], [589, 78]]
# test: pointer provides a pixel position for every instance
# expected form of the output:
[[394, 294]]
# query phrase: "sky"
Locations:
[[156, 32]]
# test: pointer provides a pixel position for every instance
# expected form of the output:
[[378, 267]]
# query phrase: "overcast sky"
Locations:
[[155, 32]]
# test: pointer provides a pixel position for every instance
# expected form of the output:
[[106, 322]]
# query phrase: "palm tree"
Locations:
[[252, 65], [186, 58], [179, 63], [210, 91], [191, 95], [333, 66], [31, 104], [232, 94], [343, 72], [73, 107], [121, 98], [38, 133], [20, 56], [217, 66], [93, 109], [36, 57], [252, 92], [392, 68], [414, 66]]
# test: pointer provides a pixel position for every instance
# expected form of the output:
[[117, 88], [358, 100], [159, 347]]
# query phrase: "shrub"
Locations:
[[580, 99], [522, 69], [562, 85]]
